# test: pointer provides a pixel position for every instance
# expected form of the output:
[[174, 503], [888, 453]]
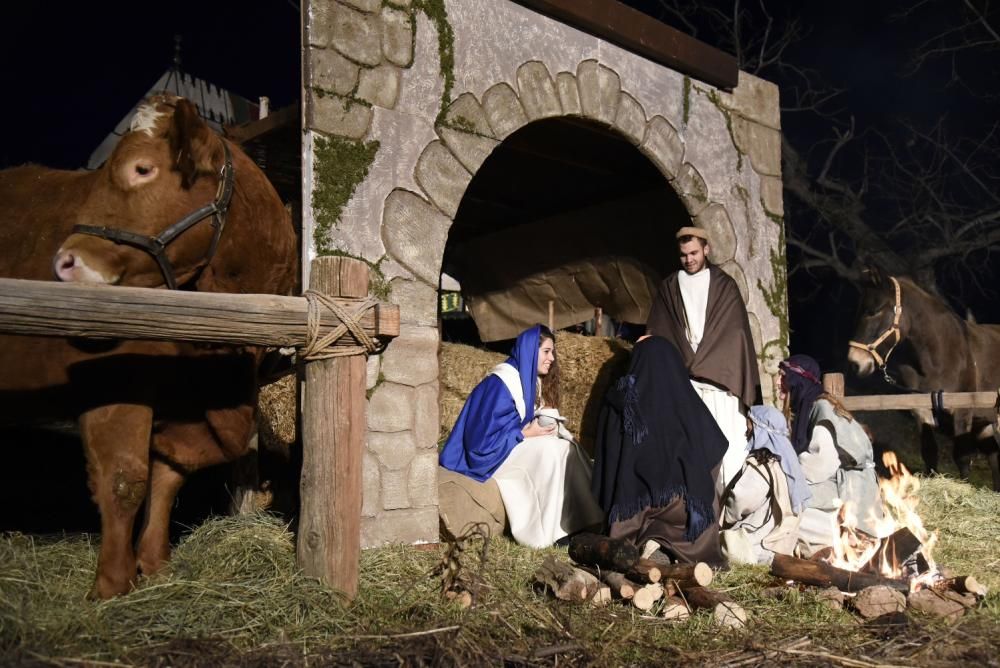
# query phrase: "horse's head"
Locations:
[[169, 165], [879, 322]]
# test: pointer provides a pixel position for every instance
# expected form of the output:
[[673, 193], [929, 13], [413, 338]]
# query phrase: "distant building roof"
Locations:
[[217, 106]]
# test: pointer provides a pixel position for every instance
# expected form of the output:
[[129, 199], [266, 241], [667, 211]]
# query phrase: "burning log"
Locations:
[[896, 550], [820, 574], [965, 584], [727, 611], [591, 549], [879, 600]]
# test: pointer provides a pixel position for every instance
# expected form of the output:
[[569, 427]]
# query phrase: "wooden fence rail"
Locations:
[[334, 424], [43, 308], [834, 384]]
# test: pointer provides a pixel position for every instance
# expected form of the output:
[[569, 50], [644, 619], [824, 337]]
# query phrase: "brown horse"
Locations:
[[174, 205], [923, 346]]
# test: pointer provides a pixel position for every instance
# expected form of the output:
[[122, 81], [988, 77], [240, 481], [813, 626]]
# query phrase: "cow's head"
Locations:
[[166, 167], [880, 326]]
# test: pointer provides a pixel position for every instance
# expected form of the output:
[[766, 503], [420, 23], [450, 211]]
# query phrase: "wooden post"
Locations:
[[552, 316], [333, 436], [598, 316], [833, 384]]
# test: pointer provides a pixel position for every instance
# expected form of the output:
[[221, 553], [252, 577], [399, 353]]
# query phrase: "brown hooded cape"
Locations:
[[726, 356]]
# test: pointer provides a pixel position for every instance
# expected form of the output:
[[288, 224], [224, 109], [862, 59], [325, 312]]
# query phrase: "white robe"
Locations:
[[544, 482], [723, 406]]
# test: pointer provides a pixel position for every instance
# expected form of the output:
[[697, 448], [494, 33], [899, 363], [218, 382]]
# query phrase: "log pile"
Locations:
[[871, 595], [604, 570]]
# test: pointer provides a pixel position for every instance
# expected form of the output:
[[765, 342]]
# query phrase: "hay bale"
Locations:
[[587, 365], [276, 415]]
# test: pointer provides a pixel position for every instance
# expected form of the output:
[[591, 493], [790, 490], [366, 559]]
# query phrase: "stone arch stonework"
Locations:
[[415, 227], [375, 72]]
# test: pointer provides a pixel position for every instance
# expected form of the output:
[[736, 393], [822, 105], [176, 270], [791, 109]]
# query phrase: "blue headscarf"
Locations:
[[770, 432], [524, 358], [489, 426]]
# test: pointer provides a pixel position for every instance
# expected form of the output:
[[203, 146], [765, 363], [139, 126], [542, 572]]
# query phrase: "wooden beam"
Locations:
[[631, 29], [49, 308], [328, 544], [901, 402], [252, 129]]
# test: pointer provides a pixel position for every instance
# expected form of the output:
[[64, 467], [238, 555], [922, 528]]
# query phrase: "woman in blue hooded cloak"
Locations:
[[510, 430]]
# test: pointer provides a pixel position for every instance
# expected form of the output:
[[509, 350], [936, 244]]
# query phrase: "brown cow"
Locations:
[[149, 413]]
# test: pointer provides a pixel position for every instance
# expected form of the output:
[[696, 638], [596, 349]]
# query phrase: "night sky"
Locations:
[[71, 70]]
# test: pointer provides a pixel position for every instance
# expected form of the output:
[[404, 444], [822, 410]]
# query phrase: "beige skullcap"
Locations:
[[692, 232]]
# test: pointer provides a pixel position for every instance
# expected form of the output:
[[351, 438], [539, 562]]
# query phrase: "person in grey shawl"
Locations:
[[836, 457], [762, 503]]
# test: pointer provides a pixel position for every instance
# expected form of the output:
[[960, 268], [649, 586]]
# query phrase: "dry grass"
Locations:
[[233, 596]]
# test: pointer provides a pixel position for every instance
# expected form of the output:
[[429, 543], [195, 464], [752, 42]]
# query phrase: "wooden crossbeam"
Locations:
[[833, 383], [49, 308]]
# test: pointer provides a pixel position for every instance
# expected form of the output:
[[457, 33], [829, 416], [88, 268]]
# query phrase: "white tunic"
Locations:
[[723, 406], [544, 482], [694, 292]]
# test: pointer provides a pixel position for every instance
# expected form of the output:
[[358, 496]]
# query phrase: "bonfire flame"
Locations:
[[855, 549]]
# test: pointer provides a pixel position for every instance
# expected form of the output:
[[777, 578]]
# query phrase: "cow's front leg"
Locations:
[[116, 442]]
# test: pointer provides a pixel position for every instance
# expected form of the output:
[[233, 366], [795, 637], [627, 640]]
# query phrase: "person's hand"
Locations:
[[535, 429], [643, 337]]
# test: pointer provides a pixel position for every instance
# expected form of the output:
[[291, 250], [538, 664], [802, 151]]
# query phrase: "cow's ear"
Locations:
[[196, 148]]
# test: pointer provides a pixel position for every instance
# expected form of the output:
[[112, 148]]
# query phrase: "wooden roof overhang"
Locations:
[[631, 29]]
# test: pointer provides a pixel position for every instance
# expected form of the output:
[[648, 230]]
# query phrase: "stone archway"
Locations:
[[401, 461]]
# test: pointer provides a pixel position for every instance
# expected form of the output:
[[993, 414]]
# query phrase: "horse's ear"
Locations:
[[871, 274], [195, 147]]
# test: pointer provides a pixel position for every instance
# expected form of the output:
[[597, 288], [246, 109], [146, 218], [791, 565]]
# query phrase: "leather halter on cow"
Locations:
[[892, 330], [157, 246]]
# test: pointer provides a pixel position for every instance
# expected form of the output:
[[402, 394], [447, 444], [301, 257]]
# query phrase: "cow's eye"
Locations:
[[143, 170]]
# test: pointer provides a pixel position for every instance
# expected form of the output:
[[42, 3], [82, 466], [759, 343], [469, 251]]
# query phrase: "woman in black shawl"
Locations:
[[658, 456]]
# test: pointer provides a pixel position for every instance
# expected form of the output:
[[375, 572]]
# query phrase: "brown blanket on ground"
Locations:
[[726, 355]]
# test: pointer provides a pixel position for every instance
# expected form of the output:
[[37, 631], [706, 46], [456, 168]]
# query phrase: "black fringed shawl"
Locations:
[[656, 440]]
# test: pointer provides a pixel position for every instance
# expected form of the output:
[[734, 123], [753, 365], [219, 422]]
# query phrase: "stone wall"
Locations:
[[438, 84]]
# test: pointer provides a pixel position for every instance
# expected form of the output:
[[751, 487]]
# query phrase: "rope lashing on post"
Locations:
[[322, 347]]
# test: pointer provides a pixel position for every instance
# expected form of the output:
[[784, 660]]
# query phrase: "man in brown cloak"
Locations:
[[700, 310]]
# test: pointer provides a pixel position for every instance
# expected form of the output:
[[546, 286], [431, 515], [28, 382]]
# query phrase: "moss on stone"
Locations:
[[378, 381], [687, 99], [775, 218], [340, 165], [436, 11], [715, 99], [776, 295], [462, 124]]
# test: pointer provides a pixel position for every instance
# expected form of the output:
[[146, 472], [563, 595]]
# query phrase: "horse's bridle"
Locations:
[[157, 246], [893, 330]]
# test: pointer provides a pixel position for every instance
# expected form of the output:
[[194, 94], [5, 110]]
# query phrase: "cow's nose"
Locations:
[[65, 263]]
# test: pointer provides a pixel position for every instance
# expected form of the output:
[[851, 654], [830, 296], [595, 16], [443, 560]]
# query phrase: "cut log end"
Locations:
[[646, 596], [730, 614]]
